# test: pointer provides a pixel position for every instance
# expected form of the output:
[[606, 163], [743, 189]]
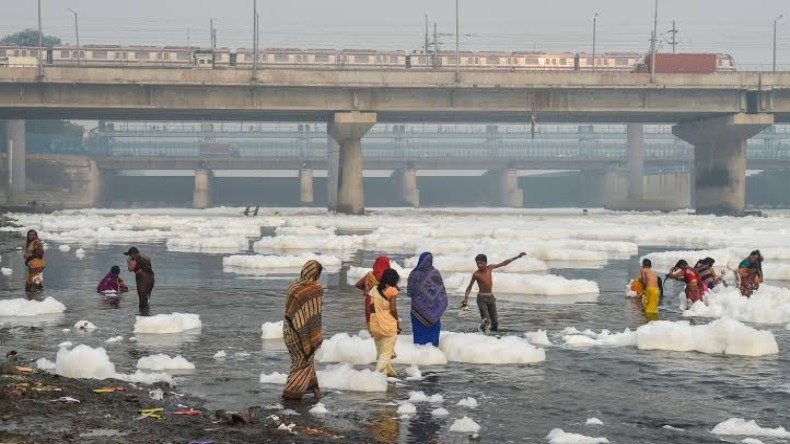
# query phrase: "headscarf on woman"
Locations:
[[302, 330], [428, 300], [34, 260], [370, 280]]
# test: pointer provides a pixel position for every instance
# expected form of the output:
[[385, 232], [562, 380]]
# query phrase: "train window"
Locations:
[[393, 59], [477, 61], [452, 61], [563, 62], [534, 61], [621, 62], [492, 60], [361, 59], [183, 56], [100, 55], [282, 58], [142, 55], [378, 59], [33, 53], [75, 54], [2, 52], [321, 58]]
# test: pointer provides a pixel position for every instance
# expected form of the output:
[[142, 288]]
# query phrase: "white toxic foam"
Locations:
[[167, 323], [539, 338], [726, 336], [593, 421], [413, 373], [465, 425], [319, 409], [272, 264], [305, 231], [751, 441], [6, 271], [589, 338], [354, 274], [161, 362], [273, 378], [312, 243], [559, 436], [141, 377], [768, 305], [45, 364], [455, 263], [65, 344], [480, 349], [470, 403], [418, 396], [440, 412], [406, 408], [84, 362], [80, 253], [24, 307], [218, 244], [359, 350], [219, 355], [344, 377], [548, 285], [84, 325], [272, 330], [742, 427], [64, 248], [114, 339]]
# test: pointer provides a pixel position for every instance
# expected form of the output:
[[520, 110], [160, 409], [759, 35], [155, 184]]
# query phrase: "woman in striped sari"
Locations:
[[302, 331]]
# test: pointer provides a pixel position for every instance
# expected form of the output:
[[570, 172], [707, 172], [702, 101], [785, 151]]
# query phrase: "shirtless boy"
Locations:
[[652, 294], [485, 298]]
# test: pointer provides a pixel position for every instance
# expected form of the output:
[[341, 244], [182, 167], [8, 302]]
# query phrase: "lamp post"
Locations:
[[595, 24], [653, 46], [775, 20], [40, 45], [76, 34], [254, 40], [457, 44]]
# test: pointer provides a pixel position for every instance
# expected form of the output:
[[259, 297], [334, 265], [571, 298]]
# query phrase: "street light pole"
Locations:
[[77, 34], [653, 46], [254, 40], [457, 44], [775, 20], [40, 44], [595, 23]]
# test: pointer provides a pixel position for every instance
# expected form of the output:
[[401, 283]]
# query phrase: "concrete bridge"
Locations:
[[716, 113]]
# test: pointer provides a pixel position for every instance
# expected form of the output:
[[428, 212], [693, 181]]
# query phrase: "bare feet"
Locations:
[[317, 393]]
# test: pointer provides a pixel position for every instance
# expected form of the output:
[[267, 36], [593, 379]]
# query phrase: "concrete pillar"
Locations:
[[347, 129], [306, 186], [201, 197], [505, 188], [406, 184], [636, 160], [333, 164], [720, 159], [15, 153], [100, 187]]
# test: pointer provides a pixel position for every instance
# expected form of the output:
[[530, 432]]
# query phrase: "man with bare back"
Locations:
[[486, 301]]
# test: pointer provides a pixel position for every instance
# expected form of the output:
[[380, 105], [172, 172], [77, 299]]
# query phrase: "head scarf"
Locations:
[[379, 265], [303, 308], [427, 292], [311, 271]]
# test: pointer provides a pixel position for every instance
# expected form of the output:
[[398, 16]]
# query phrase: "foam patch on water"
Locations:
[[24, 307], [465, 425], [447, 263], [310, 243], [141, 377], [480, 349], [726, 336], [354, 274], [440, 412], [271, 264], [215, 244], [80, 253], [413, 373], [84, 325], [559, 436], [272, 330], [589, 338], [65, 344], [539, 338], [319, 410], [344, 377], [547, 285], [64, 248], [114, 339], [161, 362], [406, 408], [219, 355], [167, 323], [593, 421], [470, 403], [751, 441], [84, 362], [742, 427], [45, 364], [418, 396], [273, 378], [6, 271], [768, 305], [359, 350]]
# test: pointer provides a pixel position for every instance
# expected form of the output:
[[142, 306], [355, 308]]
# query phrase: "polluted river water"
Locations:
[[575, 360]]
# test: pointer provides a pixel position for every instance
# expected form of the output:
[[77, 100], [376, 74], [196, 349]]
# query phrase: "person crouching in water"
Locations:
[[652, 293], [112, 282], [384, 322], [750, 273], [682, 272]]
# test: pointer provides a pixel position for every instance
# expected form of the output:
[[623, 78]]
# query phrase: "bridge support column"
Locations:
[[100, 187], [636, 161], [406, 184], [15, 155], [505, 188], [201, 198], [333, 164], [305, 186], [720, 159], [347, 129]]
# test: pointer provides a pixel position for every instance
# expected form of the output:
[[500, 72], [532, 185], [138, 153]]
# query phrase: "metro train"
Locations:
[[220, 58]]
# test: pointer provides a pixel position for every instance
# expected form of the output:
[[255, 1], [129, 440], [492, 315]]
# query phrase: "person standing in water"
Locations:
[[652, 293], [140, 265], [750, 273], [34, 260], [428, 301], [486, 301], [682, 272], [370, 280], [384, 321]]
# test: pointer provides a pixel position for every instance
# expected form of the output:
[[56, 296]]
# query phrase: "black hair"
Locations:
[[389, 278], [481, 258], [681, 263], [647, 263], [115, 270], [709, 261]]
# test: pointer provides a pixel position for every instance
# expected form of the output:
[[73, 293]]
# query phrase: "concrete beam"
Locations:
[[635, 139], [720, 159], [201, 197], [347, 129], [15, 155], [406, 186]]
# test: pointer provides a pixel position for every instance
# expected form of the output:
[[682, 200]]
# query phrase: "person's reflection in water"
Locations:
[[384, 425], [424, 428]]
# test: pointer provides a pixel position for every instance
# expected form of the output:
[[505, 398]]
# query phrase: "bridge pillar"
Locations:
[[505, 188], [333, 164], [636, 161], [305, 186], [201, 198], [406, 183], [347, 129], [720, 159], [15, 155]]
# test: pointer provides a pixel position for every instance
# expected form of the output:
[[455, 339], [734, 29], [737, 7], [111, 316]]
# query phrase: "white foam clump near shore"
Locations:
[[539, 338], [768, 305], [85, 325], [273, 378], [93, 363], [418, 396], [470, 403], [80, 253], [270, 264], [589, 338], [406, 408], [220, 354], [726, 336], [324, 243], [479, 349], [318, 410], [64, 248], [359, 350], [24, 307], [559, 436], [114, 339], [344, 377], [45, 364], [546, 285], [65, 344], [208, 243], [593, 421], [161, 362], [742, 427], [167, 323], [272, 330], [440, 412], [465, 425], [6, 271]]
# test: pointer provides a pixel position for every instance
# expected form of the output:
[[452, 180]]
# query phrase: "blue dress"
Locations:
[[423, 334]]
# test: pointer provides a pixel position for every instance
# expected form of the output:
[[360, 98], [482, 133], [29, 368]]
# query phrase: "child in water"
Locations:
[[486, 301]]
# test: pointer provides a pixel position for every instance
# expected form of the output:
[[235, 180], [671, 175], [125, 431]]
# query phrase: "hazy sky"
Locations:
[[741, 28]]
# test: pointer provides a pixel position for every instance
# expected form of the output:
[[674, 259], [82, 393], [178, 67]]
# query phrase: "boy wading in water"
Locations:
[[652, 294], [486, 301]]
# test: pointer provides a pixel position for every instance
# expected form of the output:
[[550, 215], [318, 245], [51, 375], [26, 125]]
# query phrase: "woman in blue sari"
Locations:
[[428, 301]]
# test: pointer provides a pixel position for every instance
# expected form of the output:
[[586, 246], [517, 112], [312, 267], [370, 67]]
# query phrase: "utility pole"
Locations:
[[674, 33], [435, 54], [595, 24], [427, 42], [653, 44], [40, 45], [254, 40], [775, 20], [77, 34], [457, 44], [189, 42]]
